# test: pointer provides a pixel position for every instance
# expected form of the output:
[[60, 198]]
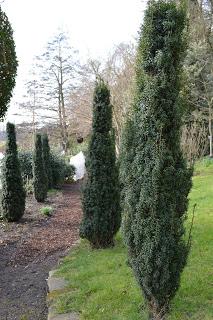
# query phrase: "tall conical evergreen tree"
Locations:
[[8, 63], [101, 208], [13, 194], [47, 160], [154, 175], [39, 174]]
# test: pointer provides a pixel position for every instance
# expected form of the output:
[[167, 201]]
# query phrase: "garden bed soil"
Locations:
[[32, 247]]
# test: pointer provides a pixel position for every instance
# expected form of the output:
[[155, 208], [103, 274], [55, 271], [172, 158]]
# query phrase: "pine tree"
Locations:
[[13, 194], [101, 208], [154, 175], [39, 174], [47, 160], [8, 63]]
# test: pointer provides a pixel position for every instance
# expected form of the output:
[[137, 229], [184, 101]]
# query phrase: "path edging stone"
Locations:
[[56, 283]]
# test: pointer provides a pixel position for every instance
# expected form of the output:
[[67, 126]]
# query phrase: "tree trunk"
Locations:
[[64, 122], [61, 123], [34, 125], [157, 316], [63, 111], [157, 312]]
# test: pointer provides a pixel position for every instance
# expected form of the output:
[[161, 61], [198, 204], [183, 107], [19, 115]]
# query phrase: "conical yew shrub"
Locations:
[[13, 194], [40, 182], [154, 174], [101, 200], [47, 160]]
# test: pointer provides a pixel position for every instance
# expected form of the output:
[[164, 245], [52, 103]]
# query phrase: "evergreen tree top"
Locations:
[[158, 70], [39, 172], [102, 109], [38, 141], [38, 146], [45, 139], [160, 50], [45, 146], [11, 138]]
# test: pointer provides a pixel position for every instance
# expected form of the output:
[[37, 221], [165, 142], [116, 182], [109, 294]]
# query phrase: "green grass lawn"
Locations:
[[102, 287]]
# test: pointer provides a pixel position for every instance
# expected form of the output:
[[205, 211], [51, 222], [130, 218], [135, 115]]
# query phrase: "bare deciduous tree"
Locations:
[[118, 71], [199, 63], [58, 66], [193, 139]]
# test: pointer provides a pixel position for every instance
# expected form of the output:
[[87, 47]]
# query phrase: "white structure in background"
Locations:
[[78, 161]]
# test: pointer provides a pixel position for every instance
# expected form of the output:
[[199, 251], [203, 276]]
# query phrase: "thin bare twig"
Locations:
[[191, 226]]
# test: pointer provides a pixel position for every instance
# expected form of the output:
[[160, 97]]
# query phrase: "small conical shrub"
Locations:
[[101, 208], [47, 160], [154, 175], [13, 194], [39, 174]]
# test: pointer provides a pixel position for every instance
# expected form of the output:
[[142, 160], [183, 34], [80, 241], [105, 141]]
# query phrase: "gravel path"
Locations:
[[30, 249]]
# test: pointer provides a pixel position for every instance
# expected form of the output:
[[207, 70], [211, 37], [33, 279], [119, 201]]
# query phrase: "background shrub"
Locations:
[[69, 171], [28, 186], [61, 170], [26, 164]]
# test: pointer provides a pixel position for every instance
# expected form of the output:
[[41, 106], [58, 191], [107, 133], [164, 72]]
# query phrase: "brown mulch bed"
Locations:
[[32, 247]]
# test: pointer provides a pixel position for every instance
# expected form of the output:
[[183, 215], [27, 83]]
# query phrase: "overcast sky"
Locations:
[[95, 26]]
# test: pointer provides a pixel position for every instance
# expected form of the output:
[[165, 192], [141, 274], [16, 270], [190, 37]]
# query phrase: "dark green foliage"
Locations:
[[8, 63], [61, 170], [47, 160], [69, 171], [26, 164], [101, 208], [154, 175], [40, 181], [57, 165], [13, 194]]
